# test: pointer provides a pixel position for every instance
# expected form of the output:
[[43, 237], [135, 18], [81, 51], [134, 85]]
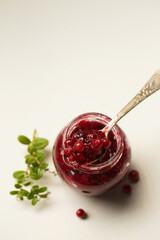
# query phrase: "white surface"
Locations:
[[59, 59]]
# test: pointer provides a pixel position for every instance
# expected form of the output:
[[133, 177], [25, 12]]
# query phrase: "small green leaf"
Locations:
[[35, 164], [34, 176], [30, 148], [42, 189], [19, 175], [19, 181], [40, 173], [36, 191], [23, 192], [40, 156], [35, 200], [30, 159], [27, 184], [44, 164], [13, 192], [28, 156], [37, 175], [34, 170], [24, 140], [17, 185], [40, 143], [21, 197], [30, 196], [35, 187], [43, 195]]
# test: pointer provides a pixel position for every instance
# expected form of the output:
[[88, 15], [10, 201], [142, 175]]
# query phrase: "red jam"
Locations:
[[87, 160]]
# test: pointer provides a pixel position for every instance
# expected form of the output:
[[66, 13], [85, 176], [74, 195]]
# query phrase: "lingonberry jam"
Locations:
[[87, 160]]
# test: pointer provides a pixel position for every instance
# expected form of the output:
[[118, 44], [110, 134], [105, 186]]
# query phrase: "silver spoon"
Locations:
[[149, 88]]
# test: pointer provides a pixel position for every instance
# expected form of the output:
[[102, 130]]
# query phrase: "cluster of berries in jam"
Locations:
[[87, 143]]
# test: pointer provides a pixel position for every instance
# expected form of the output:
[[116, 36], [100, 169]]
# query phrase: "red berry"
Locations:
[[127, 189], [77, 135], [80, 158], [69, 142], [96, 143], [79, 146], [106, 142], [71, 158], [68, 151], [91, 136], [80, 213], [101, 134], [133, 176], [88, 149]]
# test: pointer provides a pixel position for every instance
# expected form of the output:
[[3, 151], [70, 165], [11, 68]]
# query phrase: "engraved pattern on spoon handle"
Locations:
[[149, 88]]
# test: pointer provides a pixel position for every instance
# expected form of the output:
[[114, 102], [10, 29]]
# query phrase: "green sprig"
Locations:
[[36, 167]]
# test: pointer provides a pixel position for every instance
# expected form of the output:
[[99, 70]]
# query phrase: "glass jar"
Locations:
[[97, 176]]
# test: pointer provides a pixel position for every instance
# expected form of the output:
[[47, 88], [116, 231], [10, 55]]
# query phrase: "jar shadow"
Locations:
[[116, 198]]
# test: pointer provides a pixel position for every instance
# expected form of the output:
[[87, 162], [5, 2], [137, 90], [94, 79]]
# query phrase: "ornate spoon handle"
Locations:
[[149, 88]]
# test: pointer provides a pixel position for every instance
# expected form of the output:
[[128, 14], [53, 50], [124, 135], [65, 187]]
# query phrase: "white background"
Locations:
[[59, 59]]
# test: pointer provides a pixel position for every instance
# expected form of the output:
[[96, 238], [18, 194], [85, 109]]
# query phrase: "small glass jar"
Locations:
[[96, 178]]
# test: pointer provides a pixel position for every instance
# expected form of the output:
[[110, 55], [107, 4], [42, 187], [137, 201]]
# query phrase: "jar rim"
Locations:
[[100, 167]]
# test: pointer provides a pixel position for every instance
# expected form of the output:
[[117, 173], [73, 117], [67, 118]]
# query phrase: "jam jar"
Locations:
[[86, 159]]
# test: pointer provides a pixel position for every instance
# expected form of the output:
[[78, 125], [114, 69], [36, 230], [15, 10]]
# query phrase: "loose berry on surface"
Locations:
[[133, 176], [81, 213]]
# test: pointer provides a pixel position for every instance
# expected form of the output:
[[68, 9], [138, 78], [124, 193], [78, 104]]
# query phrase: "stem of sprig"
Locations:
[[36, 166], [33, 154], [34, 135]]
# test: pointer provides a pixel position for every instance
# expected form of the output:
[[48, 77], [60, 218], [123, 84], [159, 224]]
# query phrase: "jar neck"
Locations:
[[96, 168]]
